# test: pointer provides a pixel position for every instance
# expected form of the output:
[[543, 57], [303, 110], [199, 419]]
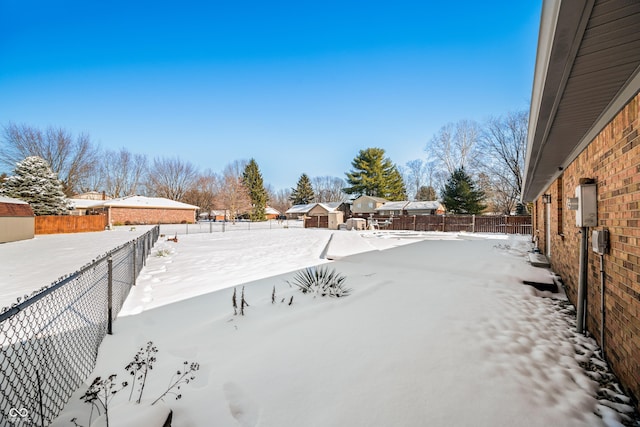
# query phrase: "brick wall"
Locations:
[[151, 216], [613, 160]]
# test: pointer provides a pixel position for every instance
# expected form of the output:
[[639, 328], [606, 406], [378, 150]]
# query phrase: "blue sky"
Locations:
[[299, 86]]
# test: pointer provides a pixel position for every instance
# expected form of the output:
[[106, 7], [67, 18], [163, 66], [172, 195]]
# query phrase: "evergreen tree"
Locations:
[[303, 193], [426, 193], [35, 183], [460, 194], [375, 175], [252, 179]]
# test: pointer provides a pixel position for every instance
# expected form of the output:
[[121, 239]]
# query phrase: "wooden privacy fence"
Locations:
[[54, 224], [520, 224]]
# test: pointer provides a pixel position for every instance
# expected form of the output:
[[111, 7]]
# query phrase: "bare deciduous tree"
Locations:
[[280, 200], [123, 172], [73, 160], [416, 173], [328, 189], [171, 178], [233, 195], [455, 146], [503, 143], [204, 191]]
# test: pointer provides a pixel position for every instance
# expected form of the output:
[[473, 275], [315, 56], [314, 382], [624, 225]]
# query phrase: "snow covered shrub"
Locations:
[[321, 281]]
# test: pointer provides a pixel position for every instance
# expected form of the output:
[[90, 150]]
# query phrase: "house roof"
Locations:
[[147, 202], [424, 205], [377, 199], [85, 203], [393, 206], [587, 69], [331, 206], [14, 207], [300, 209], [271, 211]]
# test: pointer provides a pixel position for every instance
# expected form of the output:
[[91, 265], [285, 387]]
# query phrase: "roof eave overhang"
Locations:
[[562, 25], [587, 70]]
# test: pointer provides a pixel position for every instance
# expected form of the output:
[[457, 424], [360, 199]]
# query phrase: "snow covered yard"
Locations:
[[28, 265], [438, 332]]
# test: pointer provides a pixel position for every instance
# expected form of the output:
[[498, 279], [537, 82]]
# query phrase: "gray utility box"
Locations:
[[600, 241], [587, 212]]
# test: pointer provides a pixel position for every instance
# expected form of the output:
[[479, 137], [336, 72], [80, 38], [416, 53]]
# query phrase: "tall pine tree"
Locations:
[[252, 179], [460, 194], [303, 193], [35, 183], [375, 175]]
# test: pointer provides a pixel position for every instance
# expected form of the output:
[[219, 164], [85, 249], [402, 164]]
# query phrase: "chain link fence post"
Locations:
[[110, 295], [135, 255]]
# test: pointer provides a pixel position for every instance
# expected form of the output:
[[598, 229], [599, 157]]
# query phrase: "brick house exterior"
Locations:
[[585, 116], [148, 210]]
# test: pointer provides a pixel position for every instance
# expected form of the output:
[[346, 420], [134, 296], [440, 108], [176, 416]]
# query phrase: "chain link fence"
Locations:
[[49, 342], [171, 230]]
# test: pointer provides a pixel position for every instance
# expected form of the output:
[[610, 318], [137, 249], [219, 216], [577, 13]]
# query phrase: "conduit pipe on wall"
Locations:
[[582, 282], [602, 305]]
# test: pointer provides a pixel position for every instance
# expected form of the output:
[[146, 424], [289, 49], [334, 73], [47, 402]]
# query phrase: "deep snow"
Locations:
[[437, 332]]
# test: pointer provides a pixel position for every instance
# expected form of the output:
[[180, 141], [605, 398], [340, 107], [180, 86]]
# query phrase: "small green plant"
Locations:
[[163, 252], [321, 281]]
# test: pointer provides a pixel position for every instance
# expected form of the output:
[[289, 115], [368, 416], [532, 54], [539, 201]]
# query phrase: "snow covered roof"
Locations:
[[14, 207], [377, 199], [147, 202], [392, 206], [271, 211], [424, 205], [300, 209], [85, 203], [12, 201], [330, 206]]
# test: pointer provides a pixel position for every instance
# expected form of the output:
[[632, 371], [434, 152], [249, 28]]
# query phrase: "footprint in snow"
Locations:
[[241, 407]]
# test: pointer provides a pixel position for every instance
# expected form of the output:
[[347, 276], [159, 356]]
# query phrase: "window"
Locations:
[[359, 205], [370, 204], [560, 216]]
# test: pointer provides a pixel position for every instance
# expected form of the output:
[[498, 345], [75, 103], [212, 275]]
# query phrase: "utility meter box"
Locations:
[[600, 241], [587, 213]]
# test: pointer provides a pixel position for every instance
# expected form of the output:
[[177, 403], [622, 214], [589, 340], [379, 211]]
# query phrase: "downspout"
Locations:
[[582, 283]]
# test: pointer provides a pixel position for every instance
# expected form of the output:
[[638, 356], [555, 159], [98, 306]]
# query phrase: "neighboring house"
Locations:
[[272, 213], [325, 215], [391, 208], [299, 211], [584, 127], [17, 221], [92, 195], [85, 206], [323, 209], [366, 205], [432, 207], [148, 210], [214, 215]]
